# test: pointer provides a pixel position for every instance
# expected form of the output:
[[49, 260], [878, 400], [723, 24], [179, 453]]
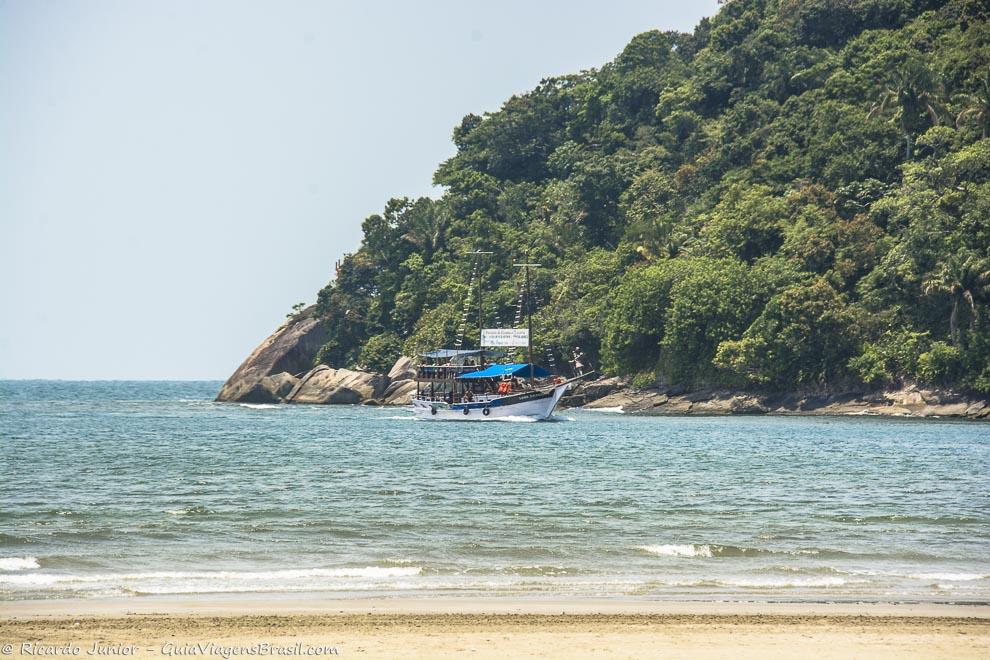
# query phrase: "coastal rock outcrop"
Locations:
[[280, 370], [288, 352], [399, 393], [402, 383], [403, 369], [270, 389], [907, 402], [589, 391], [323, 384]]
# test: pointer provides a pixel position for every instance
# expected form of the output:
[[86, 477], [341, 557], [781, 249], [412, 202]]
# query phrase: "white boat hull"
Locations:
[[533, 406]]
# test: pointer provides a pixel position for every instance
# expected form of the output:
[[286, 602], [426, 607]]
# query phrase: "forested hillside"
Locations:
[[796, 195]]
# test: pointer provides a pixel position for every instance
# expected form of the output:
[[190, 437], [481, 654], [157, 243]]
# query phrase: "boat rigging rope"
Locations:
[[517, 321], [551, 362], [459, 343]]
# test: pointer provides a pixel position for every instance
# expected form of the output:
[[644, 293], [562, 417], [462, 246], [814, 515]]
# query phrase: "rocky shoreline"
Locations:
[[280, 370], [912, 401]]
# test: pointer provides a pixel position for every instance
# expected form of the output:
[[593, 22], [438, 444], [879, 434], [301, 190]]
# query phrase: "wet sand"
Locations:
[[295, 626]]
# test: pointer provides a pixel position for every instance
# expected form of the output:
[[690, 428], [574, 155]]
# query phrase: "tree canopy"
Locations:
[[796, 194]]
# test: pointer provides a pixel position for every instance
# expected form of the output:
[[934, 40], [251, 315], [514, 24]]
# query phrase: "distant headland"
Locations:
[[783, 211], [279, 371]]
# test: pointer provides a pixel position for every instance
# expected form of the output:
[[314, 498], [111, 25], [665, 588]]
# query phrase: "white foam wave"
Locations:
[[212, 581], [770, 582], [405, 579], [376, 571], [49, 579], [949, 577], [188, 511], [259, 406], [687, 550], [18, 563], [617, 410]]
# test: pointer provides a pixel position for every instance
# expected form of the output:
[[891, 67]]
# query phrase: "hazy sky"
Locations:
[[175, 175]]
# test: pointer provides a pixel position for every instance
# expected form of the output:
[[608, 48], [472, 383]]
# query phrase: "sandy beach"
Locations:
[[492, 628]]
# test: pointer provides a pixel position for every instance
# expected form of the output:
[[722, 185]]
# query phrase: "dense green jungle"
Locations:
[[794, 196]]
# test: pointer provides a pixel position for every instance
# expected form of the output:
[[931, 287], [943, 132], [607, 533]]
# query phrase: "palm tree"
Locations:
[[653, 235], [963, 276], [977, 105], [426, 224], [910, 91]]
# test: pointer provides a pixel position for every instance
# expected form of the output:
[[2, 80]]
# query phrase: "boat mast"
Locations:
[[529, 313], [481, 309]]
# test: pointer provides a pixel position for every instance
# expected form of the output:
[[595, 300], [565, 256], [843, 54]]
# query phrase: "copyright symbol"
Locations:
[[7, 649]]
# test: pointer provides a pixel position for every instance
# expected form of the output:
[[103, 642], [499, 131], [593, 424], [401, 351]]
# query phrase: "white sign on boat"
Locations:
[[504, 337]]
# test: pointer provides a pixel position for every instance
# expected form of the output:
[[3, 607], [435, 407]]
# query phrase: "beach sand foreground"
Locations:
[[370, 628]]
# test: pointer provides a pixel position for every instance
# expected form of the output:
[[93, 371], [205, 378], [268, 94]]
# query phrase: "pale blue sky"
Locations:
[[175, 175]]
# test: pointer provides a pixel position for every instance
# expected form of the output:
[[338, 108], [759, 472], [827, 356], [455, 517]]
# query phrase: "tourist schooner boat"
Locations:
[[463, 385]]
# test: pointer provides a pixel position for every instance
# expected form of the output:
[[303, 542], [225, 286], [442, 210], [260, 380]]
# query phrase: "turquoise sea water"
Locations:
[[131, 488]]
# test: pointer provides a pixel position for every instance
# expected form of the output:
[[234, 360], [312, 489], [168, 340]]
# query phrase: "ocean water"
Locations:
[[133, 488]]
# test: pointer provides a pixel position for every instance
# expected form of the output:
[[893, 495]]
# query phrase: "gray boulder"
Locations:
[[403, 369], [289, 350], [399, 393], [402, 383], [270, 389], [325, 385]]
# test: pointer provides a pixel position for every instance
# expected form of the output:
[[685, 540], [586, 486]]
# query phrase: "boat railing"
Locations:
[[444, 371], [477, 398]]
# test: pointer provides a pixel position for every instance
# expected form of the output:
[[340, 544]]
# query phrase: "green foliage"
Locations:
[[910, 92], [380, 352], [644, 380], [434, 330], [584, 288], [298, 307], [711, 301], [796, 194], [804, 336], [941, 364], [893, 356], [637, 317], [747, 223]]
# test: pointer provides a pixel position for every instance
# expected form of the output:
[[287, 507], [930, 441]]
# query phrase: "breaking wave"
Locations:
[[949, 577], [178, 582], [18, 563], [714, 550], [689, 550]]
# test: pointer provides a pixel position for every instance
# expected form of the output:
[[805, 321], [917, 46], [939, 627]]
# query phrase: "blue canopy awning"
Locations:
[[502, 370]]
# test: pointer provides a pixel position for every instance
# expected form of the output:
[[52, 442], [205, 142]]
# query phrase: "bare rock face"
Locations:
[[403, 369], [747, 405], [402, 383], [270, 389], [399, 393], [628, 400], [289, 350], [909, 402], [587, 392], [325, 385]]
